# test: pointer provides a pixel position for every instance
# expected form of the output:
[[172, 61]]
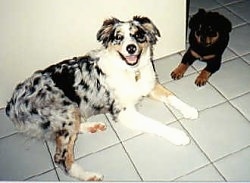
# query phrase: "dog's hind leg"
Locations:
[[160, 93], [64, 156]]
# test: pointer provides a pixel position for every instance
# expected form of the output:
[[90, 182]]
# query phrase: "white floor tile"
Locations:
[[241, 9], [158, 160], [219, 131], [205, 174], [247, 58], [242, 104], [198, 97], [232, 79], [226, 2], [236, 167], [22, 158], [228, 55], [7, 127], [235, 20], [208, 5], [166, 65], [48, 176], [239, 40]]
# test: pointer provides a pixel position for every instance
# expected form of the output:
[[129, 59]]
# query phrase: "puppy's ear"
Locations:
[[103, 35], [197, 19], [148, 27], [224, 25]]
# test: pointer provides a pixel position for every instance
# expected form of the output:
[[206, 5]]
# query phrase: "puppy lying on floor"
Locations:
[[54, 103], [208, 39]]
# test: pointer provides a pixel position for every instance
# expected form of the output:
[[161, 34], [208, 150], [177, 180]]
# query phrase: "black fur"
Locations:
[[206, 24]]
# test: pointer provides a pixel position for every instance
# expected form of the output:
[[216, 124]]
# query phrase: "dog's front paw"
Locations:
[[178, 137], [190, 113]]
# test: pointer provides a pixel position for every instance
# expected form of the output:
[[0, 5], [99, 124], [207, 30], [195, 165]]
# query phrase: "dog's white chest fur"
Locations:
[[128, 84]]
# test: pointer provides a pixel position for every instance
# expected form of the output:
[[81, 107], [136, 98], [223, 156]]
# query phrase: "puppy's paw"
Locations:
[[176, 75], [203, 77], [178, 137], [92, 127], [178, 72], [190, 113]]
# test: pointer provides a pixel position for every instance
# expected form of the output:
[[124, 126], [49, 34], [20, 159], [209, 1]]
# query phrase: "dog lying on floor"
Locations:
[[208, 39], [54, 103]]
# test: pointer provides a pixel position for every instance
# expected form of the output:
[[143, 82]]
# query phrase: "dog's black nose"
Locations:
[[131, 48]]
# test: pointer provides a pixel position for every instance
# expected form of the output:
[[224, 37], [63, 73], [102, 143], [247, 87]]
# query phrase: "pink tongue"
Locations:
[[131, 59]]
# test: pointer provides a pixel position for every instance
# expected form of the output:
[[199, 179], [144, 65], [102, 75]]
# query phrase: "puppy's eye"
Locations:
[[119, 37], [198, 33], [212, 34], [140, 37]]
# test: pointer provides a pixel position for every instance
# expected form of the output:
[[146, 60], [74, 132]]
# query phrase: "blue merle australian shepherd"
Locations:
[[54, 103]]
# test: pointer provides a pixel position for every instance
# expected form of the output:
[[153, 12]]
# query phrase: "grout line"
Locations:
[[203, 152], [37, 175], [131, 161], [125, 150], [52, 159], [238, 110], [12, 134], [234, 13], [232, 153]]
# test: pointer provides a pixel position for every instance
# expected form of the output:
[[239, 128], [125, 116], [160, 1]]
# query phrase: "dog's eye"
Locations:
[[119, 37], [140, 37]]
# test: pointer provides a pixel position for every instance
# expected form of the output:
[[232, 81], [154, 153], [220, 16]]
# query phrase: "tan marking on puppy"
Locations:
[[202, 78], [206, 57], [196, 55], [208, 40], [178, 72], [212, 40]]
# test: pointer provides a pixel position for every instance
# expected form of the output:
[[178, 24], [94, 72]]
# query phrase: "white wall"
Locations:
[[37, 33]]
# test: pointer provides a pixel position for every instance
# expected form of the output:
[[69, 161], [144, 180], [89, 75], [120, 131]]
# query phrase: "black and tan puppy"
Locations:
[[208, 39]]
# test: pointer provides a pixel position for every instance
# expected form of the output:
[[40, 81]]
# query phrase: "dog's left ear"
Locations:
[[103, 35], [148, 27]]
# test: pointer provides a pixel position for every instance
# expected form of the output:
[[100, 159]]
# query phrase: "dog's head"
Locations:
[[208, 27], [130, 39]]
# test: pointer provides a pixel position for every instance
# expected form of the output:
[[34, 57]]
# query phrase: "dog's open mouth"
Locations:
[[131, 59]]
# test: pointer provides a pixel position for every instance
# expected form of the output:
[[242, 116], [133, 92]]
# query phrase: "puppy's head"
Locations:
[[209, 27], [128, 40]]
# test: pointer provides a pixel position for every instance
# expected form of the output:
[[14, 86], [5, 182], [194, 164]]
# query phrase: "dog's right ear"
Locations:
[[103, 35], [196, 19]]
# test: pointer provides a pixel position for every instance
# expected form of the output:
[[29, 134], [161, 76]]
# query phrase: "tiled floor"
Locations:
[[220, 147]]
